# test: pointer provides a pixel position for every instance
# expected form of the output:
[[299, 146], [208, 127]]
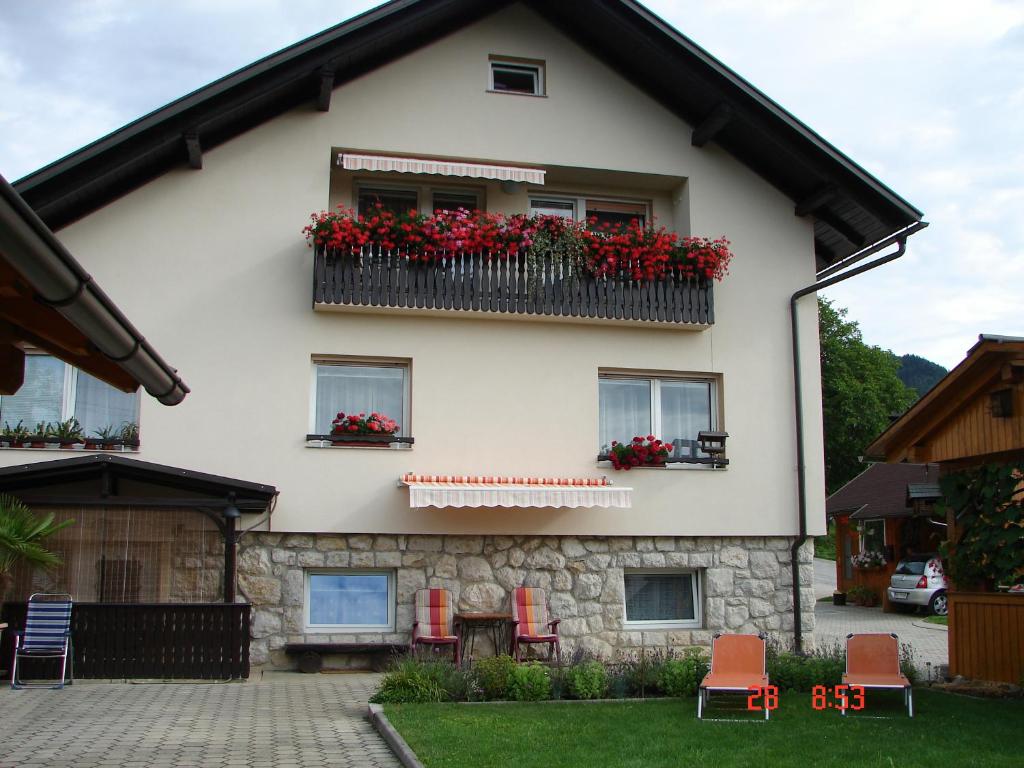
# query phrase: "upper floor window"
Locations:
[[595, 211], [671, 409], [402, 199], [359, 387], [517, 76], [54, 391]]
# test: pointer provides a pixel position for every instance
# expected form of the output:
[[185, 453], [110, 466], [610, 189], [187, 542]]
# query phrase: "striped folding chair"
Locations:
[[530, 622], [47, 635], [433, 625]]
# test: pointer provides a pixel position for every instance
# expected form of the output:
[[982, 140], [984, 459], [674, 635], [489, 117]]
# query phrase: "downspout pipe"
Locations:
[[62, 283], [900, 239]]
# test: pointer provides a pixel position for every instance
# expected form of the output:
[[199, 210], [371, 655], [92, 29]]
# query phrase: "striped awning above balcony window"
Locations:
[[353, 162], [489, 491]]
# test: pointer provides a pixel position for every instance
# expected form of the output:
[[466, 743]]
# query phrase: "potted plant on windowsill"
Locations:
[[15, 436], [871, 560], [641, 452], [105, 437], [38, 438], [68, 432], [362, 430], [129, 434]]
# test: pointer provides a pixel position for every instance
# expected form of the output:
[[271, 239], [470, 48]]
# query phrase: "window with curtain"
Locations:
[[356, 388], [662, 597], [872, 538], [350, 599], [55, 391], [673, 410]]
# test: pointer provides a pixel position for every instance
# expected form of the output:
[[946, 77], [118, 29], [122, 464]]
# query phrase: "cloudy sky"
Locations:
[[926, 94]]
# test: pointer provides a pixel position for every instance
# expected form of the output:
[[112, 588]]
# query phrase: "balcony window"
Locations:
[[396, 200], [595, 212], [673, 410], [445, 200], [54, 391], [359, 387], [662, 598], [516, 76], [353, 601]]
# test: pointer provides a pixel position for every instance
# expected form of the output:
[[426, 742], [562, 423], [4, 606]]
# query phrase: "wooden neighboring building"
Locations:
[[888, 508], [973, 416]]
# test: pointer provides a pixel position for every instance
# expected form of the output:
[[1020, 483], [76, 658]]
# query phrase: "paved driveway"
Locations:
[[284, 720], [833, 623]]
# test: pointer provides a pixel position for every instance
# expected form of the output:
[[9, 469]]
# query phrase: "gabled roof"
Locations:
[[48, 477], [851, 208], [49, 301], [984, 362], [880, 491]]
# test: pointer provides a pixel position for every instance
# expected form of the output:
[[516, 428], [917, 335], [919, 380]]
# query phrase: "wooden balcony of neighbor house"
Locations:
[[538, 287]]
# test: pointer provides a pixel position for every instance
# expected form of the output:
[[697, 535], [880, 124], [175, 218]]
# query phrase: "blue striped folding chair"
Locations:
[[47, 635]]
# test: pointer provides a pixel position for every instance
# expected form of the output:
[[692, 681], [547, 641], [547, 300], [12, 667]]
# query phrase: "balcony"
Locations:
[[478, 284]]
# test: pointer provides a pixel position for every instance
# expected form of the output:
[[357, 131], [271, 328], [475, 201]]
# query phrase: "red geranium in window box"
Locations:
[[345, 427], [641, 452]]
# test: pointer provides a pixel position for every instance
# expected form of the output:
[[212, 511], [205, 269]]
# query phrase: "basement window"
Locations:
[[517, 76]]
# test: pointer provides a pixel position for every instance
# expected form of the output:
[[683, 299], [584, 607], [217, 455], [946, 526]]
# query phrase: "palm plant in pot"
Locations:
[[130, 434], [105, 436], [22, 533], [68, 432]]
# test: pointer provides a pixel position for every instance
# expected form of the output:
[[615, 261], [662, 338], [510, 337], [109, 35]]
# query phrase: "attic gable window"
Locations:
[[520, 76]]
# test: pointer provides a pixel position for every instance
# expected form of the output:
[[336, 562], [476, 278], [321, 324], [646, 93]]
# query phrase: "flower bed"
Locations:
[[621, 250]]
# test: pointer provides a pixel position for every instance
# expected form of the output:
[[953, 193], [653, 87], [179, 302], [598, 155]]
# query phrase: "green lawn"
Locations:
[[946, 731], [943, 620]]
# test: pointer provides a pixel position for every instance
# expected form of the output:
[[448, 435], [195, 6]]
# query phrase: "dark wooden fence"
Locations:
[[511, 284], [151, 640], [986, 636]]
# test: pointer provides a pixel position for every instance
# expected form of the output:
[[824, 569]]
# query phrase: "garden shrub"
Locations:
[[409, 682], [492, 676], [530, 682], [822, 666], [681, 677], [588, 680], [907, 665]]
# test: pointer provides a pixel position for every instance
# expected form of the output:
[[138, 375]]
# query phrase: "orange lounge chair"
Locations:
[[433, 625], [530, 622], [737, 664], [873, 661]]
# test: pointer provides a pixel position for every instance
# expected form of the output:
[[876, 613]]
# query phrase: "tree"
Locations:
[[920, 374], [21, 536], [860, 391]]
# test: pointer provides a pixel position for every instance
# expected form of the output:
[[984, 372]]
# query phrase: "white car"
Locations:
[[920, 581]]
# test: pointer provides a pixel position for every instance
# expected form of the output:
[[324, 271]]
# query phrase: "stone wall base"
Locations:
[[745, 584]]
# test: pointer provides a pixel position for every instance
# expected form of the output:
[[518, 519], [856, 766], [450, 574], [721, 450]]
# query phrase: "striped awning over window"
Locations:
[[491, 491], [352, 162]]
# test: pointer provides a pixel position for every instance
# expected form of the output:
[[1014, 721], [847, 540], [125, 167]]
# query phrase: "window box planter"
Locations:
[[361, 441]]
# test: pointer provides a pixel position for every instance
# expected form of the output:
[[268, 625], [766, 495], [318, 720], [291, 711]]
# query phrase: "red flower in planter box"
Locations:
[[361, 424], [648, 451]]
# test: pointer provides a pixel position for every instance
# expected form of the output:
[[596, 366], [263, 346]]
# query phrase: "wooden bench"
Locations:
[[311, 654]]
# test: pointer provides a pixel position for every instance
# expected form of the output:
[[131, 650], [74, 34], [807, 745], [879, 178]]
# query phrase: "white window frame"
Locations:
[[656, 382], [579, 204], [424, 193], [321, 628], [69, 392], [861, 535], [696, 588], [510, 63], [404, 420]]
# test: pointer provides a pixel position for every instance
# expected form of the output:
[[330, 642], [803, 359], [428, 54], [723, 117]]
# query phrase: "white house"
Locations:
[[192, 217]]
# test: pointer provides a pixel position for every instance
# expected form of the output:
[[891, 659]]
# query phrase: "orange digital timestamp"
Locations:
[[841, 697], [769, 695]]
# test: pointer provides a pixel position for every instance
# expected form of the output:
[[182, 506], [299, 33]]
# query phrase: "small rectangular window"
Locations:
[[673, 410], [612, 213], [662, 598], [872, 538], [350, 600], [546, 207], [517, 77], [353, 388], [397, 201], [443, 200]]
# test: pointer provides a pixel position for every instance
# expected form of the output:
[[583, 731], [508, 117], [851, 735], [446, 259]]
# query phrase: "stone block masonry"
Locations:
[[744, 583]]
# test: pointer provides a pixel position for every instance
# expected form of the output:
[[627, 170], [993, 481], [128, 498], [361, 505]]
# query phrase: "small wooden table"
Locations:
[[471, 623]]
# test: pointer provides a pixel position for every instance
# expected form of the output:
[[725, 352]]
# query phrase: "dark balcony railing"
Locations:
[[513, 285]]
